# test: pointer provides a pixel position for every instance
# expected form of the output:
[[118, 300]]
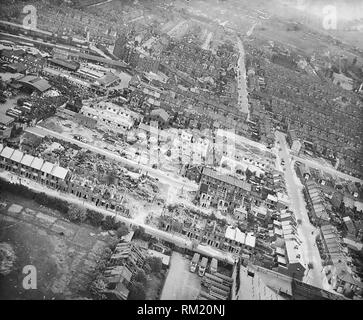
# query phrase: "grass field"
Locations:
[[63, 253]]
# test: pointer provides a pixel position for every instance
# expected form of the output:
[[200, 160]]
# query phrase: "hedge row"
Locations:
[[93, 217], [40, 198]]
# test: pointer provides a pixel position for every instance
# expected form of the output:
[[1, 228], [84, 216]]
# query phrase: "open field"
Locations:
[[64, 254]]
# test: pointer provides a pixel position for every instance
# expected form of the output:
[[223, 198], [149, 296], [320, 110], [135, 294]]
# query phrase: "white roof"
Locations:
[[285, 223], [17, 156], [235, 234], [356, 245], [293, 252], [277, 223], [283, 198], [47, 167], [281, 260], [27, 160], [280, 251], [1, 147], [272, 198], [37, 163], [285, 215], [261, 210], [358, 205], [7, 152], [59, 172], [250, 240], [287, 230]]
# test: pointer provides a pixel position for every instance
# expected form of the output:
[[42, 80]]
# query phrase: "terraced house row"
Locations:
[[57, 177], [35, 168]]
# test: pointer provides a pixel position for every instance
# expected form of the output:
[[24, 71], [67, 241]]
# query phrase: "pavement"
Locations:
[[180, 283]]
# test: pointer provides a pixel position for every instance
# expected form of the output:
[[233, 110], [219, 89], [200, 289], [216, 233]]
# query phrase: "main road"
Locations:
[[306, 230]]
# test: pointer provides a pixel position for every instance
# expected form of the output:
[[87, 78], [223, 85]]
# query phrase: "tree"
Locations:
[[110, 223], [122, 230], [96, 288], [111, 178], [139, 233], [155, 264], [137, 292], [95, 218], [141, 277], [249, 174], [76, 213]]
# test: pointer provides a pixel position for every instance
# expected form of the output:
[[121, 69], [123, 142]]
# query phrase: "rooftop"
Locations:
[[47, 167], [293, 252], [253, 287], [7, 152], [235, 234], [107, 79], [17, 156], [59, 172], [35, 82], [27, 160], [37, 163], [227, 179]]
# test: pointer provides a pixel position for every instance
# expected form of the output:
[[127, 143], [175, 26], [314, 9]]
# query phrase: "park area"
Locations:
[[64, 254]]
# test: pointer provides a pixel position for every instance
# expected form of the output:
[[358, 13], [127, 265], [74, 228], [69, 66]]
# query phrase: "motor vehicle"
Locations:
[[194, 262], [202, 266]]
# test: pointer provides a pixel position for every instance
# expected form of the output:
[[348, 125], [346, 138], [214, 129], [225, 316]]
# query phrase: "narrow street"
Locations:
[[162, 176], [306, 230], [331, 170]]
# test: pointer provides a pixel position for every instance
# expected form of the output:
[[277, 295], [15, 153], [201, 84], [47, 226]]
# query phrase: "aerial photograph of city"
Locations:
[[181, 150]]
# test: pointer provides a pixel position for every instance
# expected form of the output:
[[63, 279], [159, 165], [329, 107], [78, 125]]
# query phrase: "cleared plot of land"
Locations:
[[63, 253], [180, 284]]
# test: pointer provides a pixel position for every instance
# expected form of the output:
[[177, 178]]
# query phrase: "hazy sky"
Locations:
[[346, 9]]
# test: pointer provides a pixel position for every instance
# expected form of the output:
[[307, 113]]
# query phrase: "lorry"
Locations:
[[194, 262], [202, 266], [213, 266]]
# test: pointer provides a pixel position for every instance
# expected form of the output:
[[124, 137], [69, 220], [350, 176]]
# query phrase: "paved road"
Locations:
[[297, 204], [242, 81], [162, 176], [320, 166], [180, 284], [176, 239]]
